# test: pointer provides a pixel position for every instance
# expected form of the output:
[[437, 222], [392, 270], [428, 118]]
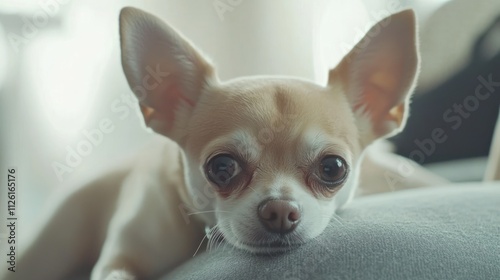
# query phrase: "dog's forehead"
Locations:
[[280, 94], [272, 111], [271, 100]]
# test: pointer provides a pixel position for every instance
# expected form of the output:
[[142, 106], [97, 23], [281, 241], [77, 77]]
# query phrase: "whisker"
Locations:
[[210, 239], [215, 239], [338, 219], [197, 249], [219, 241]]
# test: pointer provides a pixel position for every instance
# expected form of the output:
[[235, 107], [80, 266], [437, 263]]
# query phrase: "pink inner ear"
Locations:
[[380, 112], [381, 88], [173, 98], [164, 110]]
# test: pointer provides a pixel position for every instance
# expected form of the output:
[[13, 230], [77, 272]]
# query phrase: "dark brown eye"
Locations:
[[332, 170], [221, 169]]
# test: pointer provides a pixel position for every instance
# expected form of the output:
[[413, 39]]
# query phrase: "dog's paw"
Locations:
[[120, 275]]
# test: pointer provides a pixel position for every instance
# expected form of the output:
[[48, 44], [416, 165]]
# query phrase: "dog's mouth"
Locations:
[[272, 244], [259, 243], [267, 243], [256, 242], [275, 246]]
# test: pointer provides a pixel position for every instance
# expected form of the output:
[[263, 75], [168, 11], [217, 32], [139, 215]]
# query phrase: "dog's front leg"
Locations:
[[148, 235]]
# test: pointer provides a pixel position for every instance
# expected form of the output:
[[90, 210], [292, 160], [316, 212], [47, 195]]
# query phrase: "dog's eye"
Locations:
[[332, 170], [221, 169]]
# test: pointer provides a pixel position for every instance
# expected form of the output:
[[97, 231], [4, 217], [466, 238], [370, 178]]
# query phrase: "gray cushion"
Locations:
[[432, 233]]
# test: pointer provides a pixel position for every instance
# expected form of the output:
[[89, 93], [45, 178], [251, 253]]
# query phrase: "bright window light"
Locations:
[[67, 69]]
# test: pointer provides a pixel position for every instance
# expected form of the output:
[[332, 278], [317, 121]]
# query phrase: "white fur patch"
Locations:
[[241, 140], [316, 141]]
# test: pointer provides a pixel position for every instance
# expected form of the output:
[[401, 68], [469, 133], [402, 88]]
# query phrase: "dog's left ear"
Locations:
[[378, 75], [166, 73]]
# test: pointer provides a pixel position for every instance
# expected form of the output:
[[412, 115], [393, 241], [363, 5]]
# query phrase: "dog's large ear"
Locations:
[[166, 73], [378, 75]]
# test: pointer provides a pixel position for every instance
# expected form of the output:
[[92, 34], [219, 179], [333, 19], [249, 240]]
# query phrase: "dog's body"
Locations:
[[263, 162], [132, 209]]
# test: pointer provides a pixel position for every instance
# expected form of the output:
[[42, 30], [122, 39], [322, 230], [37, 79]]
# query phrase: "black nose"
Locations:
[[279, 216]]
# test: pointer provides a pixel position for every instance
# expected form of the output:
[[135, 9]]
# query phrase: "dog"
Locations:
[[261, 162]]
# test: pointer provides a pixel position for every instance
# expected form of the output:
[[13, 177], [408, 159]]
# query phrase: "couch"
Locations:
[[447, 232]]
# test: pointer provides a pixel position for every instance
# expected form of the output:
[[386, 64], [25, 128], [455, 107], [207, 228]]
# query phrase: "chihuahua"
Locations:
[[261, 162]]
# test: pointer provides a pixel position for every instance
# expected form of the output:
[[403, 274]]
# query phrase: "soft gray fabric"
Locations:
[[434, 233]]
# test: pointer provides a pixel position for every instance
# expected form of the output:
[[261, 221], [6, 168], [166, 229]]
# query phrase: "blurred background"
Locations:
[[67, 114]]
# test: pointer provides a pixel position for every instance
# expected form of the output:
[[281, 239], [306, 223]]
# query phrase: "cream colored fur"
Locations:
[[148, 218]]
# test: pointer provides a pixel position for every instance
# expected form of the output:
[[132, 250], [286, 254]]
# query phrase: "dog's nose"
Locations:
[[279, 216]]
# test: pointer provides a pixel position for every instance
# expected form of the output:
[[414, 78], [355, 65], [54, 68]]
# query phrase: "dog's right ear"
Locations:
[[166, 73]]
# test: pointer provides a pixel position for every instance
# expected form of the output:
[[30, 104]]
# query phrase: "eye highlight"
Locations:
[[221, 169], [332, 170]]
